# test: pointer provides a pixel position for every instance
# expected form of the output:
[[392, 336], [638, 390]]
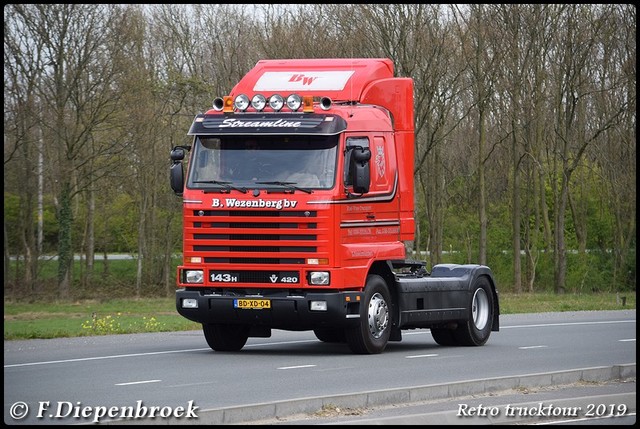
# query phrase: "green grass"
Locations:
[[85, 318], [511, 303], [48, 319]]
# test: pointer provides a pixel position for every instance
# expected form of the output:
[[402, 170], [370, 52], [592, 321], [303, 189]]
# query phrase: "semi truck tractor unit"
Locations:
[[297, 200]]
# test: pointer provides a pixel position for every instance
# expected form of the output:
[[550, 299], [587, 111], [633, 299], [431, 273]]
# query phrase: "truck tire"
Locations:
[[444, 336], [372, 333], [226, 338], [476, 330], [330, 335]]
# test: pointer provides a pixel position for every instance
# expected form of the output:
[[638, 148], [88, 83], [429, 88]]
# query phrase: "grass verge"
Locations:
[[126, 316]]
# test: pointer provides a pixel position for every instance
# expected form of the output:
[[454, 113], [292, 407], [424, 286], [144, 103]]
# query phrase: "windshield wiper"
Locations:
[[289, 185], [227, 185]]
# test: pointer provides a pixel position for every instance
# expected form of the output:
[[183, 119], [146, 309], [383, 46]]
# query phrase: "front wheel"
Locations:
[[330, 335], [372, 333], [476, 330], [226, 338]]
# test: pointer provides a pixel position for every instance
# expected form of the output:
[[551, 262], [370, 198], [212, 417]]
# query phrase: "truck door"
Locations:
[[372, 217], [382, 165]]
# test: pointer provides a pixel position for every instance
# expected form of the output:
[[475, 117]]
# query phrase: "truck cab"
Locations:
[[297, 200]]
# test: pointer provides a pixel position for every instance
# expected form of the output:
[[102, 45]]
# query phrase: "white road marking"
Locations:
[[296, 367], [138, 382]]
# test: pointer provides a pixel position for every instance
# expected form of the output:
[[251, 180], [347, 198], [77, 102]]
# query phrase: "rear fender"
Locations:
[[469, 273]]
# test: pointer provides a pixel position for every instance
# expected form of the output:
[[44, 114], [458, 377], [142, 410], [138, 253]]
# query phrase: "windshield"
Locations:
[[263, 161]]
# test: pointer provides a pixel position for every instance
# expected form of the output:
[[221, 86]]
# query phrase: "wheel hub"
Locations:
[[480, 309], [378, 315]]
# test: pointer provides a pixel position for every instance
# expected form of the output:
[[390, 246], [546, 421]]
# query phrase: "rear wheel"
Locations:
[[226, 338], [476, 330], [444, 336], [372, 333]]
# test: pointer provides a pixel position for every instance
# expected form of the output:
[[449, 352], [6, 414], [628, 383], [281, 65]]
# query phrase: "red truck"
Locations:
[[297, 200]]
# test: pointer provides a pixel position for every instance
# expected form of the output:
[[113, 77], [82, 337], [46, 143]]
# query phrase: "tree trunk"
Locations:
[[515, 214], [65, 250], [482, 191]]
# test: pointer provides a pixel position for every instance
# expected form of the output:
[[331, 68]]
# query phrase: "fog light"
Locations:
[[318, 306], [319, 278], [189, 303], [194, 276]]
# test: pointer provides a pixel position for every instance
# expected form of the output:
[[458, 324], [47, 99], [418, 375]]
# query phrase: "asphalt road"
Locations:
[[101, 379]]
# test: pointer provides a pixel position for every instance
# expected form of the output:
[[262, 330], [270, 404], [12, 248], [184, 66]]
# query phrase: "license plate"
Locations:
[[252, 303]]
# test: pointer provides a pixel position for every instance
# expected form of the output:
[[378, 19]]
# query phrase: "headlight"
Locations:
[[194, 276], [319, 278]]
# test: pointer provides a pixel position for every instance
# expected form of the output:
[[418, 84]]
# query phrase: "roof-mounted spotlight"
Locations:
[[276, 102], [294, 101], [241, 102], [258, 102]]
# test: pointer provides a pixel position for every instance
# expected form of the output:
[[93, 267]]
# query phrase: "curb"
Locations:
[[245, 414]]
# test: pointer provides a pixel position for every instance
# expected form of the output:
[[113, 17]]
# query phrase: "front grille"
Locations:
[[268, 261], [261, 237]]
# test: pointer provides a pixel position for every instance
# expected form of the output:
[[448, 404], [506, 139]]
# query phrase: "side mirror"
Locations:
[[177, 154], [176, 172], [177, 178], [359, 169]]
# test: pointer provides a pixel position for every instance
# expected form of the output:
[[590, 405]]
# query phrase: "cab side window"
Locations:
[[352, 142]]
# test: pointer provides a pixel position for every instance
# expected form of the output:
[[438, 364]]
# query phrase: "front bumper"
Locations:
[[288, 310]]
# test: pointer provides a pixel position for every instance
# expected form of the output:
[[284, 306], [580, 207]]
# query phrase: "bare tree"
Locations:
[[23, 66], [76, 99], [481, 55], [614, 151], [521, 44], [577, 45]]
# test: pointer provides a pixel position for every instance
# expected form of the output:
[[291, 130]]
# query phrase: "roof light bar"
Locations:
[[275, 102]]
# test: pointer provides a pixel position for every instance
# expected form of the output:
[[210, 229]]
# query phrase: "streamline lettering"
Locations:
[[281, 123]]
